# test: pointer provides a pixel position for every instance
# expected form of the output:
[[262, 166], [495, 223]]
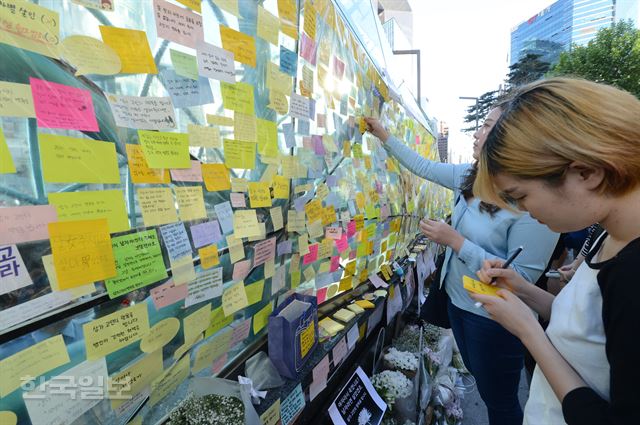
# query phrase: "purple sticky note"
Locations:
[[318, 146], [205, 233], [284, 247]]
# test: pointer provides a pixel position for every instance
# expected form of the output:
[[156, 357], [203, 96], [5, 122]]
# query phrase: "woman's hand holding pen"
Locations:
[[375, 127]]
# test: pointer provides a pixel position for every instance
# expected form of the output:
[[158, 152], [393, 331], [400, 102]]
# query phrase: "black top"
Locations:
[[619, 282]]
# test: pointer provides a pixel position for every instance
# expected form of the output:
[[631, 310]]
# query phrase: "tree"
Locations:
[[528, 69], [612, 57], [478, 111]]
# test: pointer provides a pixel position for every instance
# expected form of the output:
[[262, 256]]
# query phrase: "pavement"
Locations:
[[475, 412]]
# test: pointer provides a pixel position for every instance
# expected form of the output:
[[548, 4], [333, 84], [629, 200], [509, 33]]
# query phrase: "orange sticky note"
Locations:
[[140, 171], [209, 256], [82, 252], [242, 46], [478, 287], [132, 47], [216, 177]]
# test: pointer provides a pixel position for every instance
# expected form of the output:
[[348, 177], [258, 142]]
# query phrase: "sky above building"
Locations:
[[465, 46]]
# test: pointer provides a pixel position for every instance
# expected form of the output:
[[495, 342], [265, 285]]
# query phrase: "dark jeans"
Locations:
[[495, 358]]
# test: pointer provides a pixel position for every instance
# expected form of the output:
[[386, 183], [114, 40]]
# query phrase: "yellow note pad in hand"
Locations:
[[478, 287], [82, 252]]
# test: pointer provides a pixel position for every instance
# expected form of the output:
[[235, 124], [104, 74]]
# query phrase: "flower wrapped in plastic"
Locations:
[[402, 361]]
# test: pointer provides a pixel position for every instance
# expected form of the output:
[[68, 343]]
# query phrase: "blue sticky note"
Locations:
[[303, 127], [288, 61], [176, 240], [292, 405], [289, 135], [186, 92]]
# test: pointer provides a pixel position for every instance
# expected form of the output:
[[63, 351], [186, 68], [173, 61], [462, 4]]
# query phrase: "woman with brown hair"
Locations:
[[568, 152]]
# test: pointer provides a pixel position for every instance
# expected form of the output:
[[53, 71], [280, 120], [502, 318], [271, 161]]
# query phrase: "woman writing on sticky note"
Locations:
[[479, 232], [568, 152]]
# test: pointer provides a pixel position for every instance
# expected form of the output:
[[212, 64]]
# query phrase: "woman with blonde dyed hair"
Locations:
[[568, 152]]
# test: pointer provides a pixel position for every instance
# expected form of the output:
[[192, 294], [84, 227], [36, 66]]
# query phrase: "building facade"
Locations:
[[565, 23]]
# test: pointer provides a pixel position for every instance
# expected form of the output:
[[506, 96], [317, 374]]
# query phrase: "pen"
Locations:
[[504, 266], [510, 260]]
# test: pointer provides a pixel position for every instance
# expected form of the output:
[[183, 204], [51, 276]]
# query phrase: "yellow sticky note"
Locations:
[[190, 203], [216, 177], [254, 292], [157, 206], [314, 210], [114, 331], [245, 224], [209, 256], [230, 6], [6, 161], [276, 218], [7, 417], [234, 298], [90, 205], [259, 194], [268, 138], [196, 322], [239, 185], [16, 100], [165, 150], [72, 160], [236, 249], [134, 378], [278, 102], [77, 292], [160, 335], [208, 352], [206, 137], [169, 380], [478, 287], [90, 55], [244, 127], [81, 252], [239, 154], [242, 46], [238, 97], [183, 270], [220, 120], [261, 318], [288, 12], [192, 4], [280, 187], [310, 20], [346, 284], [217, 321], [132, 47], [307, 339], [30, 27], [330, 326], [140, 171], [33, 361], [268, 26]]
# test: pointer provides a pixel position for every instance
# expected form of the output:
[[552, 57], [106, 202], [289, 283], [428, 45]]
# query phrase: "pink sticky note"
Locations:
[[351, 228], [335, 263], [377, 281], [338, 68], [168, 293], [238, 200], [193, 174], [25, 224], [342, 244], [219, 363], [308, 49], [321, 295], [352, 255], [321, 370], [312, 255], [340, 351], [178, 24], [333, 232], [240, 332], [241, 269], [60, 106], [264, 251]]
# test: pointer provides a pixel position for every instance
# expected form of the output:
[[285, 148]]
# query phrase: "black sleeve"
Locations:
[[619, 282]]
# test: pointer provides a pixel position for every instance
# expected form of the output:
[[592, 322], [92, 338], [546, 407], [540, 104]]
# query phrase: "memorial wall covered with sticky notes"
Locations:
[[169, 170]]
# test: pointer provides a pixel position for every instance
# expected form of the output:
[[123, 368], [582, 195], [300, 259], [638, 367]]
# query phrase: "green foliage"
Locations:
[[527, 70], [480, 110], [612, 57]]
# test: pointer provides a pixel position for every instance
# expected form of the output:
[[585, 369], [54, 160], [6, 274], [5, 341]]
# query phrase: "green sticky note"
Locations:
[[218, 321], [184, 64], [138, 262], [254, 292], [6, 161]]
